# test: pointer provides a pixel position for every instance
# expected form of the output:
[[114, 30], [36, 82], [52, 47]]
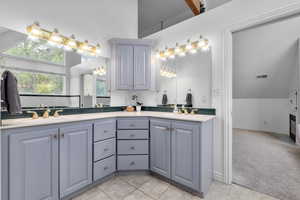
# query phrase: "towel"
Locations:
[[188, 99], [9, 93], [164, 99]]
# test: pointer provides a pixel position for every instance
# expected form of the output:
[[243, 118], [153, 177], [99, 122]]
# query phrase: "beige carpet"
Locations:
[[267, 162]]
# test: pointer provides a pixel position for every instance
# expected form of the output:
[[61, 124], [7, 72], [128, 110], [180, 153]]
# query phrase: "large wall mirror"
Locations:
[[51, 76], [181, 76]]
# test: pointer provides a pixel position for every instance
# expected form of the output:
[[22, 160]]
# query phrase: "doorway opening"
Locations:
[[265, 101]]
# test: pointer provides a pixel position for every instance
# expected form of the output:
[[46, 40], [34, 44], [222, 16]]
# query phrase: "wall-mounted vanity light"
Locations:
[[167, 72], [100, 71], [54, 38], [182, 50]]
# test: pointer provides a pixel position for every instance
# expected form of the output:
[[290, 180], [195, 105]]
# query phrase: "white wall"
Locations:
[[94, 20], [278, 43], [270, 115], [212, 25]]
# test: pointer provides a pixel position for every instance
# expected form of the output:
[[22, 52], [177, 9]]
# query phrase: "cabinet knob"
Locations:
[[132, 148], [54, 136], [62, 135], [132, 125], [132, 163], [106, 149], [132, 135], [105, 131], [105, 168]]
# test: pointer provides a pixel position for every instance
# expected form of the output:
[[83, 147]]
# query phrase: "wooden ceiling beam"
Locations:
[[194, 5]]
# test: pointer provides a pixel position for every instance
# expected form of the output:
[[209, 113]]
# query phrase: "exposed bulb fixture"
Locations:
[[182, 50], [54, 38]]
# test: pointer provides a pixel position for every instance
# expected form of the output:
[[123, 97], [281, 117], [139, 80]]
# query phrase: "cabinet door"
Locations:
[[160, 139], [124, 67], [185, 154], [75, 158], [33, 165], [142, 67]]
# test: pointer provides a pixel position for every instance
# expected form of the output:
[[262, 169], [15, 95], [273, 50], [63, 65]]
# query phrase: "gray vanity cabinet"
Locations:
[[142, 63], [124, 67], [182, 151], [130, 65], [160, 145], [186, 153], [75, 157], [33, 161]]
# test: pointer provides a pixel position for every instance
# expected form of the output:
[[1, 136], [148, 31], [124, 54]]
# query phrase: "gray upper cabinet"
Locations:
[[130, 64], [33, 161], [186, 153], [142, 71], [124, 67], [160, 138], [75, 157]]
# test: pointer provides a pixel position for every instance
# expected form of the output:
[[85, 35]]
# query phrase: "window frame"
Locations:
[[64, 92], [99, 78]]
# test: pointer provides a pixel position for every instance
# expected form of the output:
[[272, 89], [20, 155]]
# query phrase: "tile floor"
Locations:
[[146, 187]]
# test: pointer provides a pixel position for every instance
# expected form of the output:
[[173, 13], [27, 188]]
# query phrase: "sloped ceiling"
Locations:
[[270, 49]]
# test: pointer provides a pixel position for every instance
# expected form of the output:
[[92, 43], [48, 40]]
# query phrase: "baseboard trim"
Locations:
[[218, 176]]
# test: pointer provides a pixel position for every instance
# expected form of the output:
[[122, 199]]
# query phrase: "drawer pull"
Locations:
[[132, 163], [106, 168], [132, 148], [106, 149]]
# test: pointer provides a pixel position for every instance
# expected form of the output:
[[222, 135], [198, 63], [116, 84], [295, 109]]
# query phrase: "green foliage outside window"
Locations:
[[38, 83], [38, 51], [101, 88]]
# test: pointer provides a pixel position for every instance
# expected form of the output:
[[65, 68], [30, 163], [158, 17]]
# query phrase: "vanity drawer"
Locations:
[[133, 134], [129, 147], [104, 149], [104, 167], [104, 129], [134, 162], [133, 123]]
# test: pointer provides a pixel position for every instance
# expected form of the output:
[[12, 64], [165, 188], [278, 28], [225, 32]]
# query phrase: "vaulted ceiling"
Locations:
[[169, 12], [270, 49]]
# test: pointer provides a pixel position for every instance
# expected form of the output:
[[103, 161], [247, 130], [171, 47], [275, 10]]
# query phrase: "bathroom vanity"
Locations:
[[57, 158]]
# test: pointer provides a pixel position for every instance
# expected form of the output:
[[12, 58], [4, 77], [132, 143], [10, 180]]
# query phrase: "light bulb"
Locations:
[[55, 37], [177, 49], [33, 38], [189, 45], [98, 49], [85, 45], [205, 48], [34, 29], [182, 54], [193, 51]]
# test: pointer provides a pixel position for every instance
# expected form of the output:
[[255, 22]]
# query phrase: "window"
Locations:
[[39, 83], [38, 51], [101, 88]]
